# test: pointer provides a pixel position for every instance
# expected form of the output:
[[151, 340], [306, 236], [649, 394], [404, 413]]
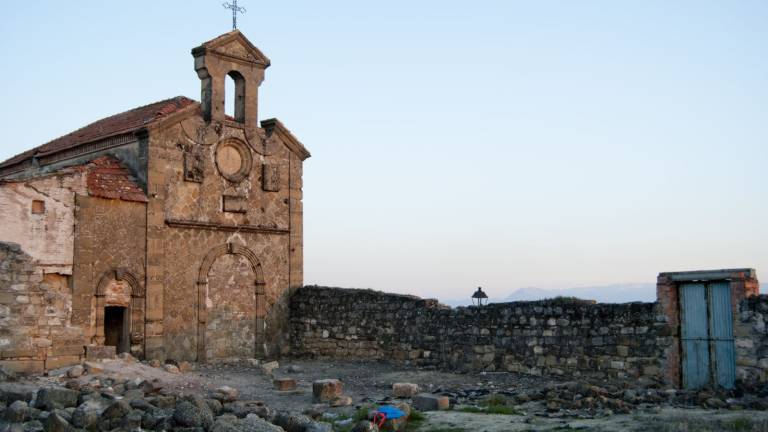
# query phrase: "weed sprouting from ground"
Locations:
[[494, 404]]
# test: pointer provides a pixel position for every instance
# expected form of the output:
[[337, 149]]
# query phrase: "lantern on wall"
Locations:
[[479, 298]]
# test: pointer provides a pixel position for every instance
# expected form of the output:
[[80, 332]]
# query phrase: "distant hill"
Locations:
[[616, 293]]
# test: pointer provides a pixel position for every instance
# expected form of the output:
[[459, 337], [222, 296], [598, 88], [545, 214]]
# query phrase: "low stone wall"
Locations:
[[559, 337], [35, 311], [751, 339]]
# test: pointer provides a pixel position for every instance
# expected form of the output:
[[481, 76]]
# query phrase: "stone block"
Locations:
[[99, 352], [404, 390], [284, 384], [60, 361], [93, 368], [268, 367], [67, 350], [430, 402], [56, 398], [327, 390], [23, 367]]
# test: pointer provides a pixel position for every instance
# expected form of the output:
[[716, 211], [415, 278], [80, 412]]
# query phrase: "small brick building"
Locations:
[[169, 231]]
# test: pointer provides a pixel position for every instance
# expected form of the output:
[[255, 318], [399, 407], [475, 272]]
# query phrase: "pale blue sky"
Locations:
[[457, 144]]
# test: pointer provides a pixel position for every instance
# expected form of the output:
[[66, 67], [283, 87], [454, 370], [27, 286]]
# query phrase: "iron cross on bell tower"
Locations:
[[235, 9]]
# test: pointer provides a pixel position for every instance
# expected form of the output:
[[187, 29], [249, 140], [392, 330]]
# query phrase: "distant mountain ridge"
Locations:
[[615, 293]]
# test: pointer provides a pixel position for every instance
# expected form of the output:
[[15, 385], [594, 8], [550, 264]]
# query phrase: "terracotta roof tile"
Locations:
[[123, 123], [108, 178]]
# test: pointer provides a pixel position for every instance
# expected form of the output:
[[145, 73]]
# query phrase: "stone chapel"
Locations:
[[170, 231]]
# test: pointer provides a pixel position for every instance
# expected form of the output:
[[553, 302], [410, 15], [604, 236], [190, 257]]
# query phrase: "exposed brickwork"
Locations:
[[107, 178]]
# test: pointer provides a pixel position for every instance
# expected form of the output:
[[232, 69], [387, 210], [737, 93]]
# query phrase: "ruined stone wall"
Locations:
[[751, 339], [559, 337], [35, 313]]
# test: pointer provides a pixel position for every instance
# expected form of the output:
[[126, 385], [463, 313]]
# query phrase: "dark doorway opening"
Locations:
[[115, 328]]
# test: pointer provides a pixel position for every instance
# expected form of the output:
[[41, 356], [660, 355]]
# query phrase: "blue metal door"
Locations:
[[709, 355], [721, 334], [695, 341]]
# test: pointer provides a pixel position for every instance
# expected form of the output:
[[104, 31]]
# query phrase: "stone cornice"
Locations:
[[176, 223]]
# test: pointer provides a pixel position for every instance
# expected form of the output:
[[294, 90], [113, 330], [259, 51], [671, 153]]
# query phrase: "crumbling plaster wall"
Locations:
[[558, 337], [47, 237]]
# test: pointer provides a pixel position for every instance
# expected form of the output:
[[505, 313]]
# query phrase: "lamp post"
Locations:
[[479, 298]]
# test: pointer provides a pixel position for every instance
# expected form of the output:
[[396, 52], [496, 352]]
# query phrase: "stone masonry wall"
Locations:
[[751, 339], [35, 313], [558, 337]]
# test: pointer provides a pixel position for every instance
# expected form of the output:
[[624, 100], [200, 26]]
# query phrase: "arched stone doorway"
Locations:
[[120, 312], [230, 304]]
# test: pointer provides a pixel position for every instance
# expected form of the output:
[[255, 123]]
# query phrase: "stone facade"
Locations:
[[557, 337], [176, 223]]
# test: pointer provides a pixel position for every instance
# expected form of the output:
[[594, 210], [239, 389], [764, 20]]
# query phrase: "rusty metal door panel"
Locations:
[[695, 338], [721, 334]]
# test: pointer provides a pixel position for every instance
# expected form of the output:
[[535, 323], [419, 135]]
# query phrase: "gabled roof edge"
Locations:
[[274, 125]]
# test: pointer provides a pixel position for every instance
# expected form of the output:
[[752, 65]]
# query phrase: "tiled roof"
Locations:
[[108, 178], [119, 124]]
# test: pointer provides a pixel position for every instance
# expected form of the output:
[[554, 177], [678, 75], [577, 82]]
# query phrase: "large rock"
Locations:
[[87, 414], [241, 409], [51, 398], [188, 415], [318, 427], [56, 423], [292, 422], [405, 390], [251, 423], [157, 419], [365, 426], [269, 367], [117, 409], [327, 390], [93, 368], [284, 384], [225, 394], [76, 371], [16, 412], [9, 393], [430, 402], [172, 369], [205, 412]]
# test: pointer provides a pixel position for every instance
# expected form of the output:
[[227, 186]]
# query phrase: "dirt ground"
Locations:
[[371, 383]]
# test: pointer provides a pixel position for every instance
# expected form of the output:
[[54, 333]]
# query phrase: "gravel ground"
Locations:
[[530, 397]]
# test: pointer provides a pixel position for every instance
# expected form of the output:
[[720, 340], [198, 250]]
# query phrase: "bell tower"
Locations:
[[230, 54]]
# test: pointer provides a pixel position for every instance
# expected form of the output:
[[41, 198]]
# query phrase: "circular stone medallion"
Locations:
[[233, 160]]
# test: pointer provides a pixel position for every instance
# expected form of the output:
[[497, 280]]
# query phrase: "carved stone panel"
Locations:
[[193, 164], [270, 177], [234, 204]]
